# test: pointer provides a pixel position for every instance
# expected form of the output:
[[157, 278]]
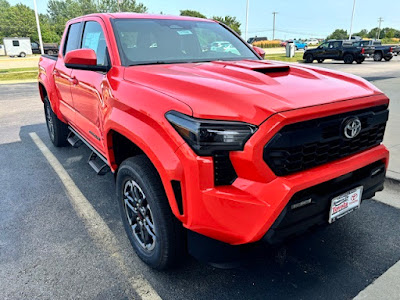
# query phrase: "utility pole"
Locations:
[[38, 27], [119, 8], [273, 32], [352, 18], [380, 20], [247, 21]]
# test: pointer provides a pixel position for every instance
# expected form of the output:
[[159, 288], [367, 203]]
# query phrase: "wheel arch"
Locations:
[[123, 143]]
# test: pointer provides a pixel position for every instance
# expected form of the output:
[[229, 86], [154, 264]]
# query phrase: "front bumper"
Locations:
[[246, 210], [297, 220]]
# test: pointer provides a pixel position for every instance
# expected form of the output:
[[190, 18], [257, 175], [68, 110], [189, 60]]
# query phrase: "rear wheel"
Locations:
[[50, 52], [378, 56], [348, 59], [309, 58], [22, 54], [320, 61], [360, 60], [388, 58], [154, 232], [58, 131]]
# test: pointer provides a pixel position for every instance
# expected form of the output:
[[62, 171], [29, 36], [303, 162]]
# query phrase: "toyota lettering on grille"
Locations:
[[352, 128]]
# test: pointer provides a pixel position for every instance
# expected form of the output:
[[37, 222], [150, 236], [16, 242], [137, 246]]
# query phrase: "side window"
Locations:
[[73, 37], [325, 45], [15, 43], [93, 38], [335, 45]]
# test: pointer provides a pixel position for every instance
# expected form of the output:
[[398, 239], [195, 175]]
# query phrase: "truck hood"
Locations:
[[248, 91]]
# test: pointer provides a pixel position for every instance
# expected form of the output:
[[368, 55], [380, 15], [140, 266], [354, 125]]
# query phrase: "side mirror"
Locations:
[[83, 59], [259, 51]]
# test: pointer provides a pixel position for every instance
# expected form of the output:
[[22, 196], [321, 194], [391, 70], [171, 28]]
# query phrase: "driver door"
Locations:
[[89, 86]]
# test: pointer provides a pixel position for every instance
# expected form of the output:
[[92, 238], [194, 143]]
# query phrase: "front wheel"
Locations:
[[388, 58], [309, 58], [22, 54], [378, 56], [154, 232], [320, 61], [360, 61], [348, 59], [58, 131]]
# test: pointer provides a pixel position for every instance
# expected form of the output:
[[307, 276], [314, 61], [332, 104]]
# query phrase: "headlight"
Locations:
[[207, 136]]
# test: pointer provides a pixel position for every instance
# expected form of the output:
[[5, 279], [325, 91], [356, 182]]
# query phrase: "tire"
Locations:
[[22, 54], [360, 61], [388, 58], [348, 59], [58, 131], [309, 58], [320, 61], [160, 245], [378, 56], [50, 52]]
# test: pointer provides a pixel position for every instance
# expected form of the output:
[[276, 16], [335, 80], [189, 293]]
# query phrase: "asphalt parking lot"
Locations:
[[61, 236]]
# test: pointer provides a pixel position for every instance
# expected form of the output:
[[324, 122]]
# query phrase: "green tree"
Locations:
[[124, 6], [363, 33], [338, 34], [231, 22], [18, 20], [192, 13], [373, 33]]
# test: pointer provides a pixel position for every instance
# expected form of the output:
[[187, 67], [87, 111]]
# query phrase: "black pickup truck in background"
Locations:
[[381, 51], [336, 50], [48, 48]]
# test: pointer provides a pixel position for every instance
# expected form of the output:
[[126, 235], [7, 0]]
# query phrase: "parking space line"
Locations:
[[95, 225], [387, 286]]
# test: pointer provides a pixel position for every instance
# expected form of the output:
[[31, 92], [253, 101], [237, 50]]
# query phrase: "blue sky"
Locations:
[[296, 18]]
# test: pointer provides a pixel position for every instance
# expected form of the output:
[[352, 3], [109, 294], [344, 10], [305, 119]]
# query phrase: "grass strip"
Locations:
[[18, 75]]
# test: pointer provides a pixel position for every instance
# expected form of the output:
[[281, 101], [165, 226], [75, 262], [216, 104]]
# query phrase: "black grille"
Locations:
[[224, 173], [308, 144]]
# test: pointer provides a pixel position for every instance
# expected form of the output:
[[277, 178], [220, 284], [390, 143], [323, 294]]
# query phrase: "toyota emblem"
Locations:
[[352, 128]]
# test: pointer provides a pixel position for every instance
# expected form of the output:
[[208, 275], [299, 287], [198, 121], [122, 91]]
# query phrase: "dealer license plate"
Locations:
[[345, 203]]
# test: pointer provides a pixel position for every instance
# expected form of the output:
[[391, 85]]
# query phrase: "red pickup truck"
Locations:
[[211, 146]]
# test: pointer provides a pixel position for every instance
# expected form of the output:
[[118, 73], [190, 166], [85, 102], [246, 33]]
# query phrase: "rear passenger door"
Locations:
[[62, 74], [333, 50], [88, 90]]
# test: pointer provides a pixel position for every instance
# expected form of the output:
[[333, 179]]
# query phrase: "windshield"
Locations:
[[157, 41]]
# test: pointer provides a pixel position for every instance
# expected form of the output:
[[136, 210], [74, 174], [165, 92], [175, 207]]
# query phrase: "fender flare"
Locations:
[[155, 144]]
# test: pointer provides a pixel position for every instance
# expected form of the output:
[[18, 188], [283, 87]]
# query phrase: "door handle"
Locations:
[[73, 80]]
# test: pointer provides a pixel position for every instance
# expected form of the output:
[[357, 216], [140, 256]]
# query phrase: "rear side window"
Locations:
[[15, 43], [93, 38], [73, 37]]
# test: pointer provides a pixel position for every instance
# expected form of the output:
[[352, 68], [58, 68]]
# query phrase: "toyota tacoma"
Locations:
[[211, 147]]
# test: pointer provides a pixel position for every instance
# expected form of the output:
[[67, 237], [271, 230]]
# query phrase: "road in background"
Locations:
[[48, 250]]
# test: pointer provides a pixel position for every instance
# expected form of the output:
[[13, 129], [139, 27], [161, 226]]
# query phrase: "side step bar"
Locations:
[[96, 160]]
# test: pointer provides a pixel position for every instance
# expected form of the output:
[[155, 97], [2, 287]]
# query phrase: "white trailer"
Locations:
[[2, 52], [17, 46]]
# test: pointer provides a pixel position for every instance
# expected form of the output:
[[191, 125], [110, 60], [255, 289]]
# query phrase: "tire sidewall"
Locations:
[[348, 59], [47, 104], [126, 172]]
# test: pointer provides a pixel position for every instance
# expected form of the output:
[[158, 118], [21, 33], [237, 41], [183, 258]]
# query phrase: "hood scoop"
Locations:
[[258, 66]]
